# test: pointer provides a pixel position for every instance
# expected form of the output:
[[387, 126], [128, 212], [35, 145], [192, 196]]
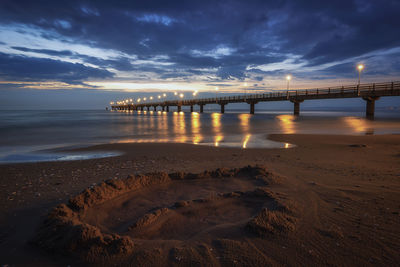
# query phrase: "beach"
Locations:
[[343, 192]]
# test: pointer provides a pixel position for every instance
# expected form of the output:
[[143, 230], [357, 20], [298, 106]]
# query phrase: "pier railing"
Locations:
[[369, 92]]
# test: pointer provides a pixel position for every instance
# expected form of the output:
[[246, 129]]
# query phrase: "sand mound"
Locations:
[[118, 218], [271, 222]]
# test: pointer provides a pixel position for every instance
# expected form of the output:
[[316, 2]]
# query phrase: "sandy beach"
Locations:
[[330, 200]]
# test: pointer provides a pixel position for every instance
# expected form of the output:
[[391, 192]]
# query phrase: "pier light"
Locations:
[[131, 100], [151, 98], [138, 100], [164, 95], [144, 98], [181, 95], [360, 68], [288, 78], [175, 93], [245, 90], [159, 97]]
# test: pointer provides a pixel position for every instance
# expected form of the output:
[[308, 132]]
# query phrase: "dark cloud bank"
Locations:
[[196, 36]]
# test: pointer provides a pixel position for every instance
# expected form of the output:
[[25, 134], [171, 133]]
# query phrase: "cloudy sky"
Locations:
[[101, 50]]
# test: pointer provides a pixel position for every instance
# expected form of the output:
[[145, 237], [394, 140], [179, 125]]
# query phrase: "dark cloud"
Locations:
[[38, 69], [188, 32], [44, 51]]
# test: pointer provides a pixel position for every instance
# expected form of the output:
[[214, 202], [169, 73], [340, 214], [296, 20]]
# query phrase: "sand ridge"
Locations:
[[258, 211]]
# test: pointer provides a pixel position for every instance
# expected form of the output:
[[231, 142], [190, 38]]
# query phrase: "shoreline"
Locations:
[[358, 168]]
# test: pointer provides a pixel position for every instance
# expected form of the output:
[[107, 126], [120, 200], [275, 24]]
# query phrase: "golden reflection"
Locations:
[[134, 140], [197, 137], [151, 121], [216, 126], [216, 121], [286, 145], [179, 127], [357, 124], [287, 123], [218, 139], [244, 122], [246, 140], [162, 124]]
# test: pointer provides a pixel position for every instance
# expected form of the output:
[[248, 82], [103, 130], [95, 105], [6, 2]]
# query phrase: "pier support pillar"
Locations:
[[370, 108], [148, 108], [163, 108], [155, 108], [179, 108], [167, 108], [141, 108], [222, 108], [201, 108], [296, 109], [252, 104], [191, 108]]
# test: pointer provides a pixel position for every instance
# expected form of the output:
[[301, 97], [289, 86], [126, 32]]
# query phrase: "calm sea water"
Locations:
[[25, 134]]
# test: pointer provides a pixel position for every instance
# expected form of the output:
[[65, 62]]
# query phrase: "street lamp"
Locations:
[[288, 78], [360, 68], [245, 91]]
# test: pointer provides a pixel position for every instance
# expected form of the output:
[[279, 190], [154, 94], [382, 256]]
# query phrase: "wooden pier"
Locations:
[[369, 92]]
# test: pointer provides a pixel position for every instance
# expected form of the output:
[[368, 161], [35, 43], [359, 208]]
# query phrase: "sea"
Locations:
[[46, 135]]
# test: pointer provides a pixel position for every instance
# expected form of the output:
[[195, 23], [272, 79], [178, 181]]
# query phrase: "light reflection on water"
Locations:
[[242, 130], [287, 123], [24, 131]]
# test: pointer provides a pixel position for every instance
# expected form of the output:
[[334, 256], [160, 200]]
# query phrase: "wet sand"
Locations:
[[345, 190]]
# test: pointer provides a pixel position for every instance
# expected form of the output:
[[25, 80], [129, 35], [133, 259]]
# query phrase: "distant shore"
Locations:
[[347, 189]]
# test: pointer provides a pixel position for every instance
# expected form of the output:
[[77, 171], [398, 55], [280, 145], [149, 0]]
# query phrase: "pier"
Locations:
[[370, 92]]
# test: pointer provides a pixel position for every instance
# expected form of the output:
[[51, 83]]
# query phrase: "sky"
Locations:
[[70, 54]]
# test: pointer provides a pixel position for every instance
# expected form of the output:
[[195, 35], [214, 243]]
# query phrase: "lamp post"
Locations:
[[360, 68], [245, 91], [288, 78]]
